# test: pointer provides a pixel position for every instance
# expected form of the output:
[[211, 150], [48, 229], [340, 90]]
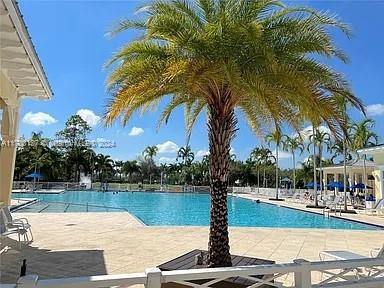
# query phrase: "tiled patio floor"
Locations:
[[79, 244]]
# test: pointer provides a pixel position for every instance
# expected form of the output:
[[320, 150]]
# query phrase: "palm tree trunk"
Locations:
[[221, 130], [258, 180], [294, 172], [264, 177], [314, 169], [321, 171], [277, 172], [345, 173]]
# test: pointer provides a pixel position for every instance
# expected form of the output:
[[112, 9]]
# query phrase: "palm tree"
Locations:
[[217, 55], [129, 168], [266, 158], [318, 140], [149, 153], [256, 159], [118, 165], [362, 136], [186, 155], [292, 144], [337, 149], [276, 137], [104, 164]]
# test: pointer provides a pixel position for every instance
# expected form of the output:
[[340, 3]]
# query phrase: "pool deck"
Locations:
[[83, 244], [360, 217]]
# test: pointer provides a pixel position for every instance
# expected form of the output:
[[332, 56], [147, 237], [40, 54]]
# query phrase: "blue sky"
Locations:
[[70, 39]]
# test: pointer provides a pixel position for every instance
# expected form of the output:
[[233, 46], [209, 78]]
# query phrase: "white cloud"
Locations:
[[38, 119], [307, 131], [88, 116], [136, 131], [167, 160], [375, 109], [202, 153], [282, 154], [167, 147], [232, 151]]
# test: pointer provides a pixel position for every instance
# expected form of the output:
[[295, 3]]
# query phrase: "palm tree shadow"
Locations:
[[47, 263]]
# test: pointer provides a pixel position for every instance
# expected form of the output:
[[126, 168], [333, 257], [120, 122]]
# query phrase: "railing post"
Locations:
[[153, 278], [28, 281], [303, 276]]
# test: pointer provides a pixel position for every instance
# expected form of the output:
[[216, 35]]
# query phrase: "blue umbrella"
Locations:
[[335, 184], [34, 176], [360, 186], [311, 185]]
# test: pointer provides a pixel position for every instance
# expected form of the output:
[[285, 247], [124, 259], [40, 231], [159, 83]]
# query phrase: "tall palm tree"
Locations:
[[276, 137], [217, 55], [149, 153], [320, 139], [267, 159], [186, 155], [256, 158], [129, 168], [118, 165], [362, 134], [104, 164], [292, 144]]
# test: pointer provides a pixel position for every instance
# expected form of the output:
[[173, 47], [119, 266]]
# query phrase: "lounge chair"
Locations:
[[347, 255], [377, 210], [6, 231], [10, 222]]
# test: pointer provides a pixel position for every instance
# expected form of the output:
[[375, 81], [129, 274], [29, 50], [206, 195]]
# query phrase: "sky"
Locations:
[[70, 39]]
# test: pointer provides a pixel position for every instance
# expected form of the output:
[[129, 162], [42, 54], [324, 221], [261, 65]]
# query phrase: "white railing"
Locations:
[[367, 272]]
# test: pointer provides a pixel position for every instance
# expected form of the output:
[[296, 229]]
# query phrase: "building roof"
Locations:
[[18, 57], [371, 149], [359, 164]]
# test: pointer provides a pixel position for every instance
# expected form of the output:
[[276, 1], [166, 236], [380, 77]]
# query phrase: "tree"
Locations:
[[74, 137], [217, 55], [319, 139], [292, 144], [276, 137], [118, 165], [362, 136], [129, 168], [149, 153], [186, 155], [104, 164]]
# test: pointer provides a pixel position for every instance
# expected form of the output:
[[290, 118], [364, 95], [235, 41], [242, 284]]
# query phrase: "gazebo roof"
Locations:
[[372, 149], [358, 164], [18, 57]]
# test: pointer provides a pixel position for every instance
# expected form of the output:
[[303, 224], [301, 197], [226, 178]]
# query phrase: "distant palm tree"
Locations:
[[276, 137], [149, 153], [219, 55], [104, 164], [337, 149], [118, 165], [318, 140], [362, 135], [129, 168], [266, 159], [292, 144], [186, 155], [255, 159]]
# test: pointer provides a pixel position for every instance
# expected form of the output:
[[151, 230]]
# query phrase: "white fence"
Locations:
[[367, 272], [265, 192]]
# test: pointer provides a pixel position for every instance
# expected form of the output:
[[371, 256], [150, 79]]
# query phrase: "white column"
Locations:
[[9, 126]]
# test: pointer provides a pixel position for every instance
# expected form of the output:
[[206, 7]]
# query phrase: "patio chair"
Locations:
[[378, 210], [10, 222], [5, 231], [348, 255]]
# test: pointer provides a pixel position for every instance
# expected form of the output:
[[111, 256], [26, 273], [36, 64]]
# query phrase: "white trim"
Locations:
[[21, 30]]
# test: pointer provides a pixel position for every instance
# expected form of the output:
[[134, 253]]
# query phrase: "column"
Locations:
[[9, 125]]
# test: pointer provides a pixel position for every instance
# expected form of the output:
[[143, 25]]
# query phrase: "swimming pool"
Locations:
[[192, 209]]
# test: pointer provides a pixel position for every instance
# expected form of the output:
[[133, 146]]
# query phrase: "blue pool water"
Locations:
[[191, 209]]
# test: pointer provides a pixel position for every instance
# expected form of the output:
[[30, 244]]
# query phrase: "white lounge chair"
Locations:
[[10, 222], [377, 210], [348, 255], [5, 231]]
